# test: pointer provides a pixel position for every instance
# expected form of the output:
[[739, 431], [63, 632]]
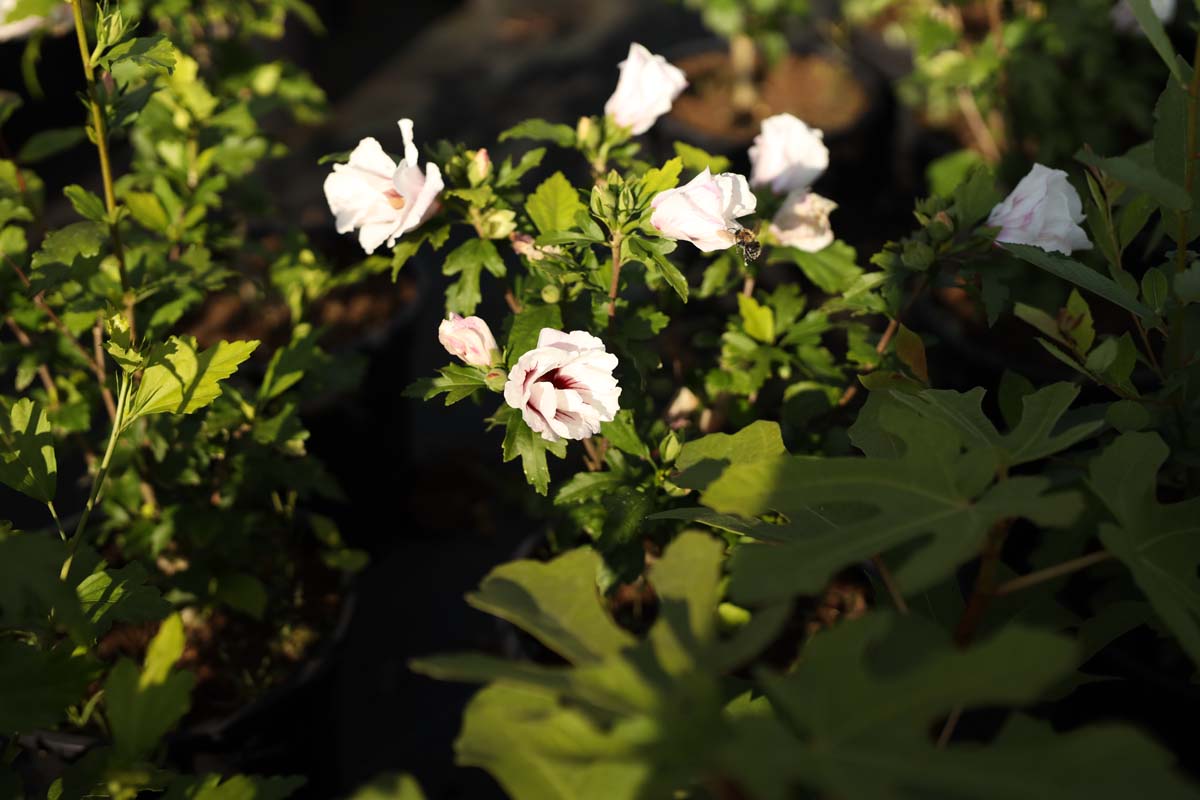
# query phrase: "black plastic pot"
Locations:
[[865, 144], [260, 738]]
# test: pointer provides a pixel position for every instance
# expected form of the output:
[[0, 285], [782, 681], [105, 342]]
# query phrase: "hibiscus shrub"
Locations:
[[783, 558]]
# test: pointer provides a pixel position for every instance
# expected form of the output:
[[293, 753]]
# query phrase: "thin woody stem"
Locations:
[[1050, 573], [616, 276], [889, 583], [106, 175]]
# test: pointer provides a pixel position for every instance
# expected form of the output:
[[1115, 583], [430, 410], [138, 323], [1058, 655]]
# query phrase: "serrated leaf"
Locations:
[[27, 460], [144, 704], [86, 203], [120, 595], [541, 130], [391, 787], [757, 320], [833, 269], [702, 460], [468, 261], [455, 381], [933, 502], [587, 487], [37, 686], [557, 603], [653, 255], [697, 160], [622, 435], [520, 441], [63, 246], [553, 205], [659, 179], [1157, 542], [179, 378], [911, 352], [527, 326], [1033, 438]]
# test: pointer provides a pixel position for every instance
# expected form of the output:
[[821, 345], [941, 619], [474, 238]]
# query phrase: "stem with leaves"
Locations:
[[1175, 354], [124, 390], [100, 136], [616, 274]]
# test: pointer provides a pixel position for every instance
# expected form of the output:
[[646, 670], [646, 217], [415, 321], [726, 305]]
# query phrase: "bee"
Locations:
[[747, 242]]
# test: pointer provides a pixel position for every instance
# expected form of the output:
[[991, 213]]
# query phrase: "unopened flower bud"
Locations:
[[551, 293], [479, 167], [496, 378]]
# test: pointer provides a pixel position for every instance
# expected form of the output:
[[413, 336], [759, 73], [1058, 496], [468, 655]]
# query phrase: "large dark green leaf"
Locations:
[[1082, 276], [933, 501], [36, 686], [1159, 543]]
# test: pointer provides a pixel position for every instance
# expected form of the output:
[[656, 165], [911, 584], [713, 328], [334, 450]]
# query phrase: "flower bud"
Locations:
[[551, 294], [479, 167], [468, 339], [645, 91], [1044, 211]]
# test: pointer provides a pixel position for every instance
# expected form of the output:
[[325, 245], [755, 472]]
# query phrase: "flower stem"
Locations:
[[124, 389], [1050, 573], [985, 583], [616, 275], [99, 128]]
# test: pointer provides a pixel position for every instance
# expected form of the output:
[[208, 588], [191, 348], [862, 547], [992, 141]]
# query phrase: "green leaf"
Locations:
[[180, 379], [1155, 289], [37, 686], [945, 174], [27, 460], [540, 130], [391, 787], [659, 179], [911, 352], [833, 269], [1157, 34], [1171, 154], [120, 595], [1082, 276], [1078, 324], [455, 381], [144, 704], [236, 787], [31, 590], [932, 502], [1142, 178], [63, 246], [1113, 361], [241, 592], [653, 255], [510, 175], [697, 160], [527, 326], [587, 487], [975, 198], [553, 205], [1158, 543], [87, 204], [127, 59], [146, 208], [701, 461], [556, 602], [622, 435], [521, 441], [468, 260], [1035, 437], [47, 143], [758, 321]]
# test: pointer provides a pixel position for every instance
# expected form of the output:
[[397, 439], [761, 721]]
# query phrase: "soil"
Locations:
[[817, 89], [235, 658], [349, 315]]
